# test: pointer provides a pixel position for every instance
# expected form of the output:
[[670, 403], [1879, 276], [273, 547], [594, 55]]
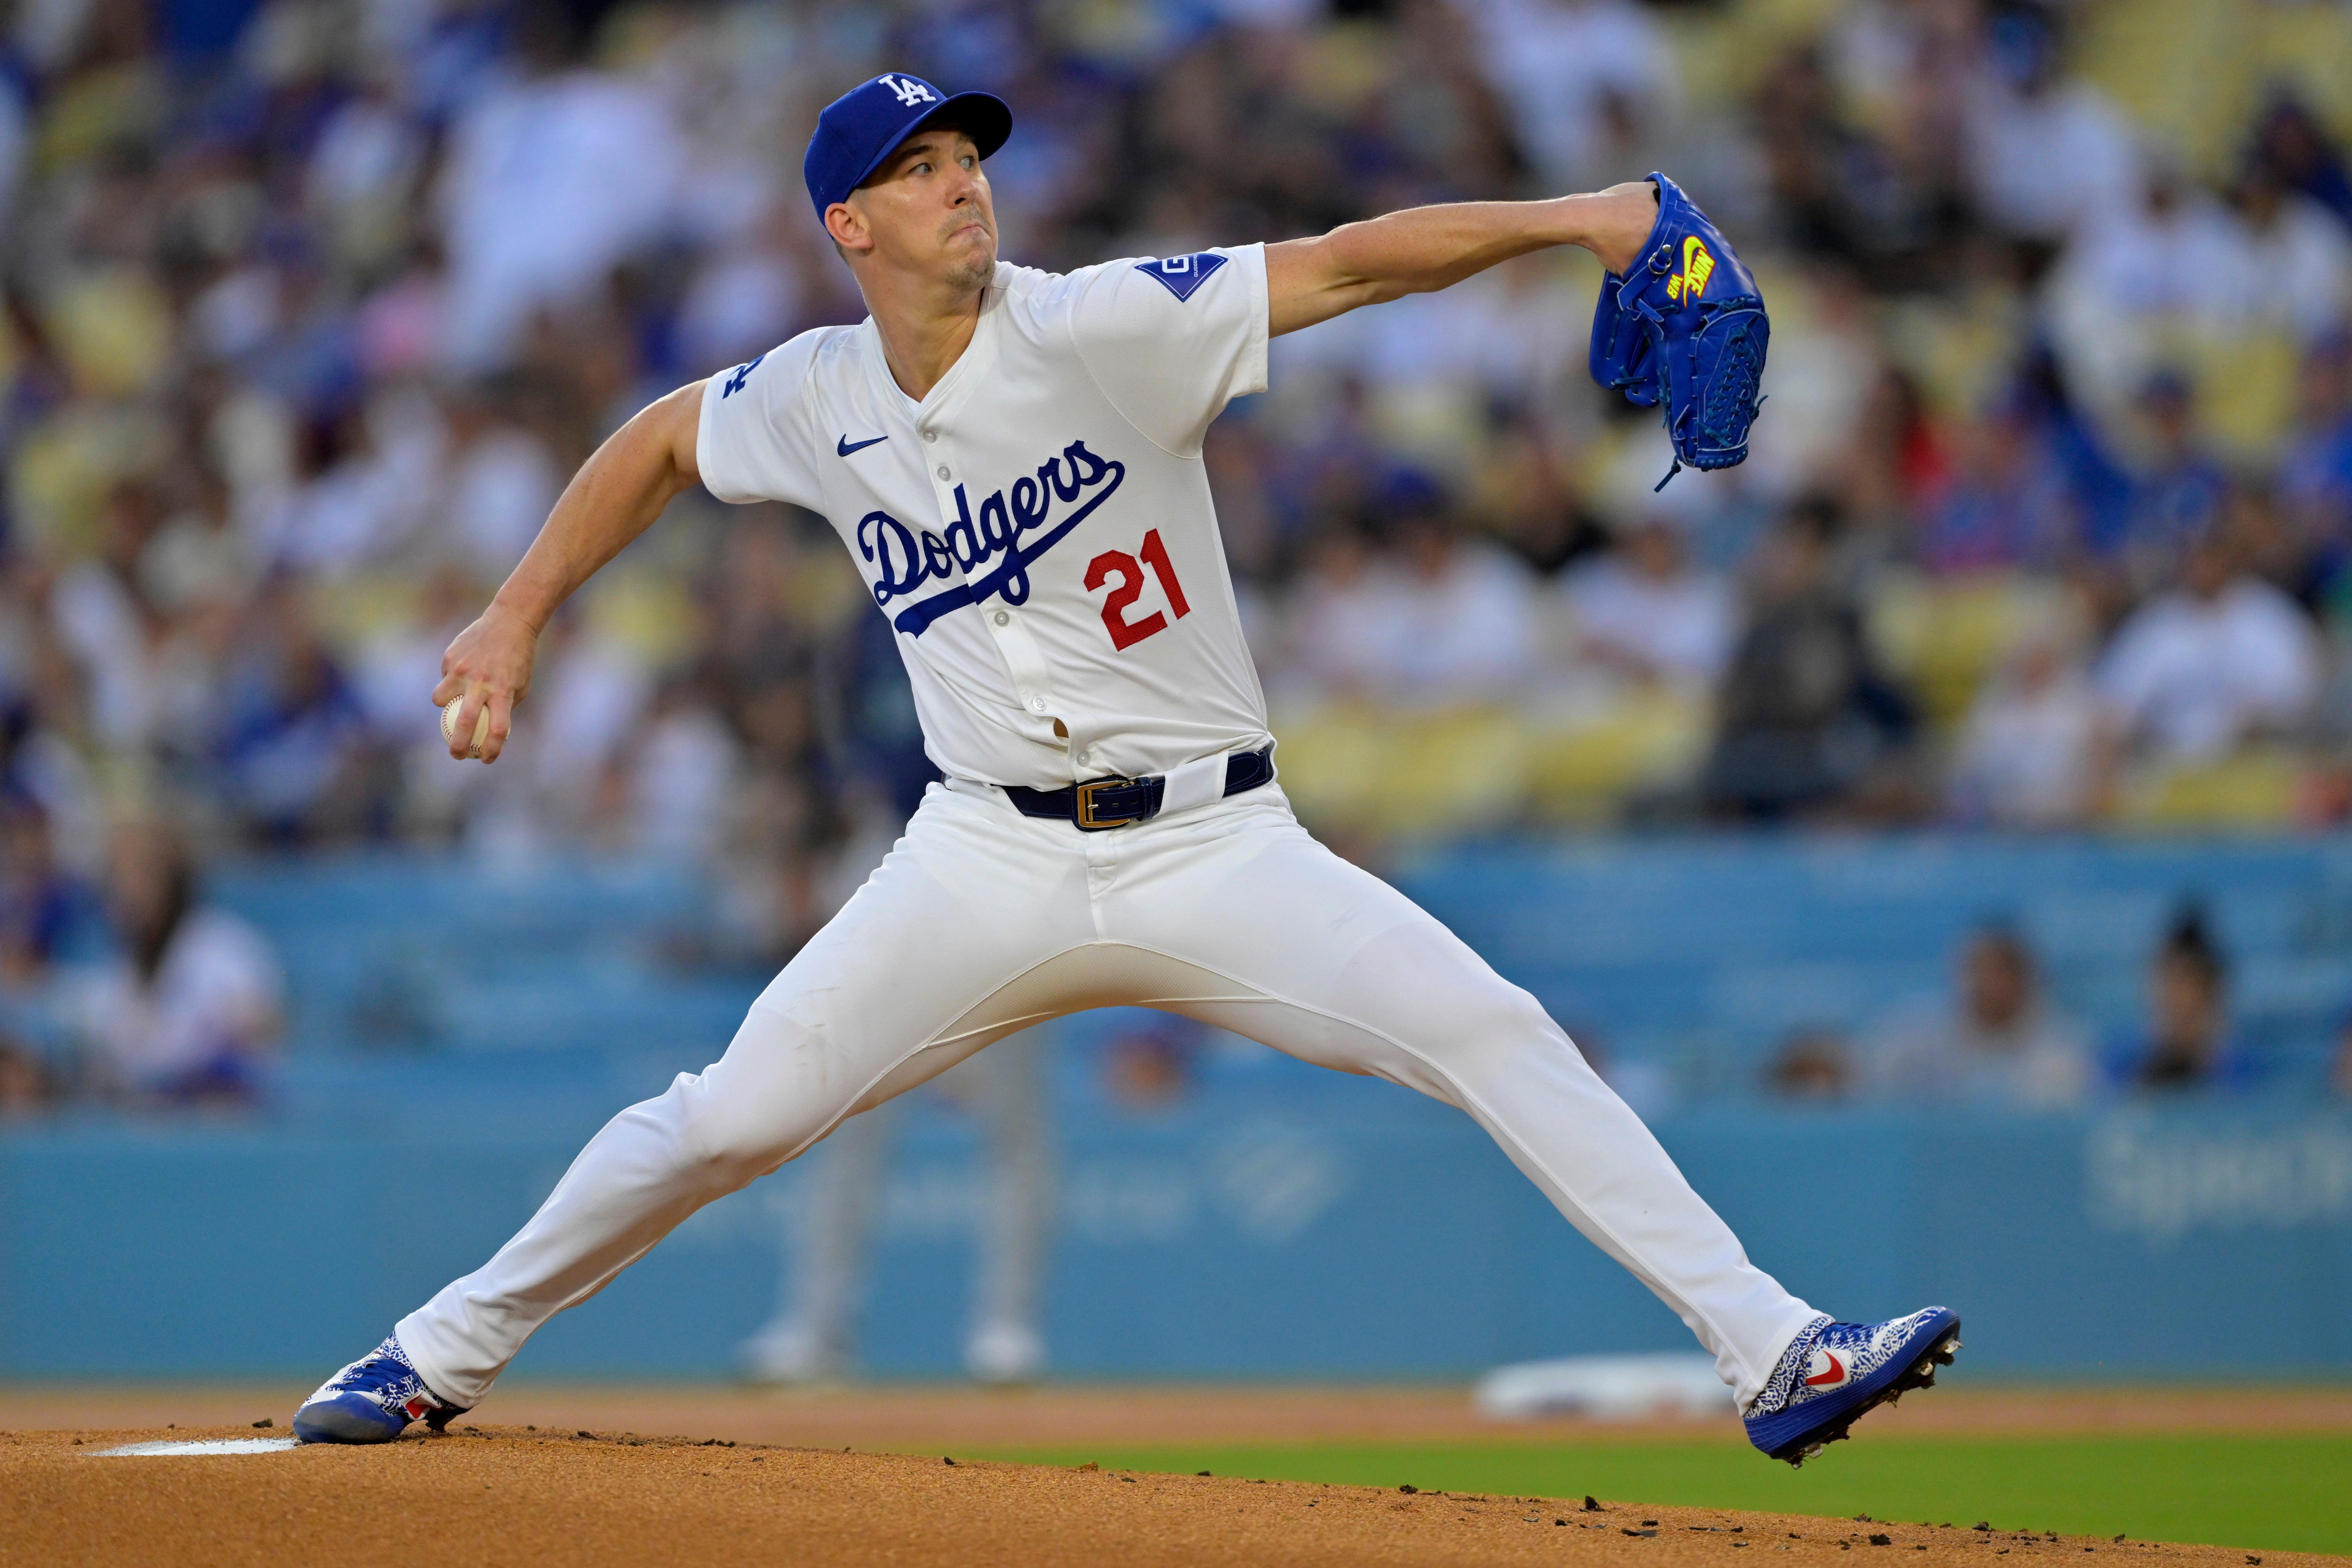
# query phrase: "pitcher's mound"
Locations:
[[503, 1496]]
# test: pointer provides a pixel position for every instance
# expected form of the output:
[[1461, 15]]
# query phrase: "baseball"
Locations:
[[449, 725]]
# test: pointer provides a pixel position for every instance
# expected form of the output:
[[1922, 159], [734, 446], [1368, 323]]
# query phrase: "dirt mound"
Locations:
[[510, 1495]]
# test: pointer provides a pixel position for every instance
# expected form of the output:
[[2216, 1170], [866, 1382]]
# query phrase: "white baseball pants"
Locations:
[[814, 1332], [983, 921]]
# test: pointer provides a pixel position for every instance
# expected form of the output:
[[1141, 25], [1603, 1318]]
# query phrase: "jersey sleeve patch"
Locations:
[[1182, 273]]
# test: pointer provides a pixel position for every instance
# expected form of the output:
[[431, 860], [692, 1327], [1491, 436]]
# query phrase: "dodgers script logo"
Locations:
[[907, 560]]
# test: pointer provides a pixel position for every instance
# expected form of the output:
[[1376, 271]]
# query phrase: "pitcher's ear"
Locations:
[[847, 226]]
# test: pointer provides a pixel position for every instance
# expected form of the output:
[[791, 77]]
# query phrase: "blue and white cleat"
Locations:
[[371, 1401], [1834, 1373]]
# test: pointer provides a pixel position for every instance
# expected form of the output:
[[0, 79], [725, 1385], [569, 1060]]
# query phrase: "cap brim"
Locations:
[[985, 116]]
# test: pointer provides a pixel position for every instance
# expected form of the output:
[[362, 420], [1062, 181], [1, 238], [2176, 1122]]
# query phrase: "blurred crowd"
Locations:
[[1996, 1040], [311, 305], [2044, 521]]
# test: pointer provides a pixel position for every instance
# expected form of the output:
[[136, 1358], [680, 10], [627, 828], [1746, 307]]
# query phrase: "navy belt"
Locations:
[[1098, 805]]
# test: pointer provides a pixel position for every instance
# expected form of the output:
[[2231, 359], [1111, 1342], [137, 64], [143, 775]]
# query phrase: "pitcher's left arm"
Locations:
[[1422, 250]]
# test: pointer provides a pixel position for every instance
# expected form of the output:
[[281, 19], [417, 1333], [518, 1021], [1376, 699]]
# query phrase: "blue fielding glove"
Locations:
[[1684, 326]]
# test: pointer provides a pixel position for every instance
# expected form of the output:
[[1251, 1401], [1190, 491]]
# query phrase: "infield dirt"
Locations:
[[511, 1495], [886, 1416]]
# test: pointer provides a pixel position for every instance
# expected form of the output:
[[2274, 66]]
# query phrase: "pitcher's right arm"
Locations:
[[614, 497]]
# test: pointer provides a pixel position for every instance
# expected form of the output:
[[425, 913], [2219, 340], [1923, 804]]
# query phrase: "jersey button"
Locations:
[[1000, 618], [943, 470], [930, 434], [1036, 705]]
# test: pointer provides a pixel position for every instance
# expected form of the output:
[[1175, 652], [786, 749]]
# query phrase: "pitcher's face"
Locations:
[[928, 210]]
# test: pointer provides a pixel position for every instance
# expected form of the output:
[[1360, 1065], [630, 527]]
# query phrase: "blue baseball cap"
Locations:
[[865, 125]]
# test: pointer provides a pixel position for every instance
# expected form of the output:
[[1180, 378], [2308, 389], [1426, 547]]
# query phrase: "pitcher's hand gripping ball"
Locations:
[[1684, 326], [449, 726]]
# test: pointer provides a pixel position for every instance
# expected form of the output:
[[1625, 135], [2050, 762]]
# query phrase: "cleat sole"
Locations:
[[344, 1421], [1922, 1374]]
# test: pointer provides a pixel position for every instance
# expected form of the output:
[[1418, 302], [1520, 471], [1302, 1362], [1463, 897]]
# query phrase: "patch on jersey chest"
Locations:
[[1182, 273]]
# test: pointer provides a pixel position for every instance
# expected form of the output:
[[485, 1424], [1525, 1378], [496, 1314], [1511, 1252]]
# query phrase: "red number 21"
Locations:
[[1124, 633]]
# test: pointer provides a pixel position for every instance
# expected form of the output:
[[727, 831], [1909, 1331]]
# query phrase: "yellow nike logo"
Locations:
[[1697, 268]]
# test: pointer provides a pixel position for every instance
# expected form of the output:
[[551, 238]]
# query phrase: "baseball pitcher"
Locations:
[[1013, 459]]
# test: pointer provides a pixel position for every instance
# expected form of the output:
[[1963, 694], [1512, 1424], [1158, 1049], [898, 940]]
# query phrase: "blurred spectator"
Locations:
[[587, 702], [1466, 614], [198, 564], [2028, 753], [364, 485], [680, 779], [2294, 146], [2269, 549], [1645, 612], [2199, 670], [294, 742], [42, 761], [1998, 1044], [190, 1010], [1900, 457], [1338, 635], [38, 902], [1806, 719], [555, 174], [1837, 191], [363, 172], [2171, 252], [2299, 249], [743, 299], [103, 621], [42, 913], [2180, 492], [1590, 83], [503, 480], [1813, 1064], [2045, 152], [2188, 1043], [2007, 503], [1434, 618], [2315, 488]]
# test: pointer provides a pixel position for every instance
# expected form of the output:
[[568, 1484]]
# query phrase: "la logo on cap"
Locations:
[[909, 92]]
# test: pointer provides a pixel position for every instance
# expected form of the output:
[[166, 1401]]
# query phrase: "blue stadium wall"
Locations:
[[1283, 1222]]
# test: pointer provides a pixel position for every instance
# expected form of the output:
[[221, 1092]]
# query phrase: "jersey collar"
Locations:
[[955, 387]]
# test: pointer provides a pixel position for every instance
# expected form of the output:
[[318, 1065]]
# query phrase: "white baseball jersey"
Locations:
[[1039, 528]]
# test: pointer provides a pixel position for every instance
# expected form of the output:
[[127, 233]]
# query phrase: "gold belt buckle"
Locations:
[[1087, 821]]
